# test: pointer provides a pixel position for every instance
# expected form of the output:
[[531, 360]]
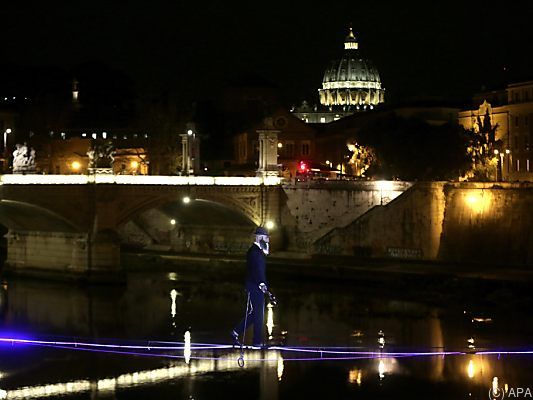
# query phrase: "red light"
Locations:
[[303, 166]]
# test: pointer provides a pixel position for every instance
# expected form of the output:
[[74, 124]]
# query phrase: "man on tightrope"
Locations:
[[256, 288]]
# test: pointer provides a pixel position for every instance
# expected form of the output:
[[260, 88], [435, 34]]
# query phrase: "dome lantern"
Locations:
[[350, 43]]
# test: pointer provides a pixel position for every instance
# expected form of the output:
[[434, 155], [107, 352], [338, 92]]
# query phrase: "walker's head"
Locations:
[[260, 231], [262, 237]]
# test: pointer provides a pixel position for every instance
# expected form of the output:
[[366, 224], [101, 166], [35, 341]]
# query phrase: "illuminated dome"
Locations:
[[352, 80]]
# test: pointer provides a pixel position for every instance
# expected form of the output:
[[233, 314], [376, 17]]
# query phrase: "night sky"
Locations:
[[443, 49]]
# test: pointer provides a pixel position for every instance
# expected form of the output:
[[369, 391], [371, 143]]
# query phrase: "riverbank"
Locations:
[[327, 267], [456, 288]]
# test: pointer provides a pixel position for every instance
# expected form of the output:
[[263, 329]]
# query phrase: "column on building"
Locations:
[[190, 150], [268, 153]]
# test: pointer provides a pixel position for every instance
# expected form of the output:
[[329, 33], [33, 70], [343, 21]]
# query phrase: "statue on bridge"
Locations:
[[23, 159], [101, 157]]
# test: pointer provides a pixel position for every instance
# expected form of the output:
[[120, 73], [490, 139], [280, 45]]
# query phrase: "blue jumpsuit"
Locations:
[[256, 265]]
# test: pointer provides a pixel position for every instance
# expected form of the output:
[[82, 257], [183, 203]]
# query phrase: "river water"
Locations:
[[157, 309]]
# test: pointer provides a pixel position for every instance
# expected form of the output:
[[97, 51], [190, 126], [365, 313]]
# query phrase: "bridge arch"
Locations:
[[247, 204], [205, 223], [22, 216]]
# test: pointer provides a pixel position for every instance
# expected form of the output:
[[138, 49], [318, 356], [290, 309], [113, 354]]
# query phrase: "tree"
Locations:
[[361, 159], [484, 149], [412, 149]]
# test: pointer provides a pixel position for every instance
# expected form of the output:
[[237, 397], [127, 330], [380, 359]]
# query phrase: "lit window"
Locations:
[[322, 119]]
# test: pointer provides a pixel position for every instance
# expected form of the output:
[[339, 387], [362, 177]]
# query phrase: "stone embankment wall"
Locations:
[[488, 224], [439, 221], [60, 252], [311, 210]]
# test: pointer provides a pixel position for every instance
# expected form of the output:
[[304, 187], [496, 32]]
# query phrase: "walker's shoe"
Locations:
[[235, 339]]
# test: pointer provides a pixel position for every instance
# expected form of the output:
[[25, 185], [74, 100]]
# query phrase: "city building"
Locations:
[[511, 111], [350, 84], [295, 142]]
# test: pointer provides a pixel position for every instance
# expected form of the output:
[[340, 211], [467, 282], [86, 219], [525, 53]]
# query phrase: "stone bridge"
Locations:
[[77, 223]]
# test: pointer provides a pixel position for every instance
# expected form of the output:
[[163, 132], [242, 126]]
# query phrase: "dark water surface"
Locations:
[[387, 315]]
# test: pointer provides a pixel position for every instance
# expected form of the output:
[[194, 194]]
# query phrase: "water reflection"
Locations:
[[187, 347], [173, 296], [270, 320], [204, 312], [355, 376], [142, 377]]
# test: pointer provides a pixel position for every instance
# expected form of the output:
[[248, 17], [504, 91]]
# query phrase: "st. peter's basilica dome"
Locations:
[[351, 80]]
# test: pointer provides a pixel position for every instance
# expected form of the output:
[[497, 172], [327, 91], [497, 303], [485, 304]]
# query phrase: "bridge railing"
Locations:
[[36, 179]]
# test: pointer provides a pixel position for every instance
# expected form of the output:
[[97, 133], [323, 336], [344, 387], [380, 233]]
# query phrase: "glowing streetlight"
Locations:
[[186, 200], [6, 132], [75, 166], [280, 145], [189, 132], [270, 225], [172, 222]]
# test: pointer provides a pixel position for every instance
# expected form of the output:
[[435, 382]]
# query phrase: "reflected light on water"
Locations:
[[146, 377], [495, 386], [187, 347], [477, 367], [387, 366], [355, 376], [381, 339], [172, 276], [270, 320], [173, 296], [381, 369], [280, 367], [471, 369]]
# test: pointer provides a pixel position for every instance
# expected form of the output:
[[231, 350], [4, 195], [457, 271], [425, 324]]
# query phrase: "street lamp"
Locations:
[[499, 155], [6, 132], [508, 152]]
